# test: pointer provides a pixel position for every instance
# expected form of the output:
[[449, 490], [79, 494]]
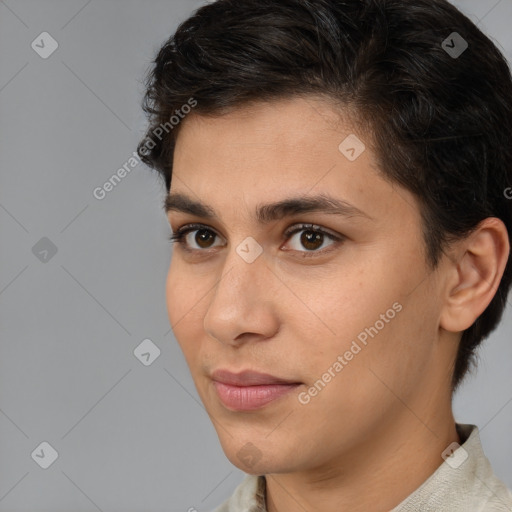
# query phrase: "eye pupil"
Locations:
[[309, 240]]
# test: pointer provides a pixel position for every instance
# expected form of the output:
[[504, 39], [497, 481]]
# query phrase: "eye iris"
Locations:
[[203, 236], [309, 240]]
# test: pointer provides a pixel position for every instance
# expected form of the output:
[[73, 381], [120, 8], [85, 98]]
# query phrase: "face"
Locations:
[[339, 302]]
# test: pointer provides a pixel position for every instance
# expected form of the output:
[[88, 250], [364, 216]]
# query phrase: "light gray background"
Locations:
[[129, 437]]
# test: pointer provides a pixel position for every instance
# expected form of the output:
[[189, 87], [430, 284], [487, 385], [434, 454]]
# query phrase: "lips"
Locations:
[[250, 390], [248, 378]]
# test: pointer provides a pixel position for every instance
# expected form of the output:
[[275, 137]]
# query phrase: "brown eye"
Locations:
[[311, 240], [204, 238], [194, 238]]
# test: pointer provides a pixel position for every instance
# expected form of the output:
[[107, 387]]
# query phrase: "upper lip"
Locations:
[[248, 378]]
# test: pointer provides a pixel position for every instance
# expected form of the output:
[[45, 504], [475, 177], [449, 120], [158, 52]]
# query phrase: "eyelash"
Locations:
[[180, 234]]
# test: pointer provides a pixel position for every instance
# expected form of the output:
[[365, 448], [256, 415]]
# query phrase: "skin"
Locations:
[[377, 430]]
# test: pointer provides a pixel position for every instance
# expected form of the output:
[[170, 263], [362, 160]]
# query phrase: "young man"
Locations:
[[337, 174]]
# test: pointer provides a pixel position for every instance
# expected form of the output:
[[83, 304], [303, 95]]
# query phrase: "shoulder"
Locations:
[[464, 482], [247, 497]]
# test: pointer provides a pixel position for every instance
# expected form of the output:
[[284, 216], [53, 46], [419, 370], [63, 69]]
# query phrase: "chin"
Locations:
[[257, 467], [258, 457]]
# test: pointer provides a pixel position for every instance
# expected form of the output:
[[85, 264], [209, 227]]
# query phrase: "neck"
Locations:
[[377, 475]]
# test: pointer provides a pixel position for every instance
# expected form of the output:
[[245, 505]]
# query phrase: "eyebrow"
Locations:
[[266, 213]]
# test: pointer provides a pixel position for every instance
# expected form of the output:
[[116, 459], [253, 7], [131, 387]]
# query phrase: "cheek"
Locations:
[[183, 298], [387, 356], [365, 318], [331, 310], [353, 386], [173, 289]]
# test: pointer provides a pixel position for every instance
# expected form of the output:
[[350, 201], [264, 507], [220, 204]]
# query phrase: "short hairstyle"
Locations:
[[439, 122]]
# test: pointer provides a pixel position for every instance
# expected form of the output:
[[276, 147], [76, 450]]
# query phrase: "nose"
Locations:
[[243, 303]]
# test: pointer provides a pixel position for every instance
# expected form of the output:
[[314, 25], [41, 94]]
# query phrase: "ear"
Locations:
[[474, 277]]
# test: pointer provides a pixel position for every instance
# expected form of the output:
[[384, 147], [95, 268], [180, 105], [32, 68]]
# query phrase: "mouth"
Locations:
[[250, 390]]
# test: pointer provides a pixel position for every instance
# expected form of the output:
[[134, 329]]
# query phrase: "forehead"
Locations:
[[273, 151], [285, 122], [293, 141]]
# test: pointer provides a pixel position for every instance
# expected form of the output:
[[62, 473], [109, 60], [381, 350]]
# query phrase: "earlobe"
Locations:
[[475, 275]]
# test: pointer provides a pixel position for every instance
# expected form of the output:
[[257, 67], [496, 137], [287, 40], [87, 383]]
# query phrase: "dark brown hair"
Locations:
[[440, 123]]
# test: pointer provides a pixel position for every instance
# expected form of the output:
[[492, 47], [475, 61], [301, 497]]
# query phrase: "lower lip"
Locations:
[[249, 398]]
